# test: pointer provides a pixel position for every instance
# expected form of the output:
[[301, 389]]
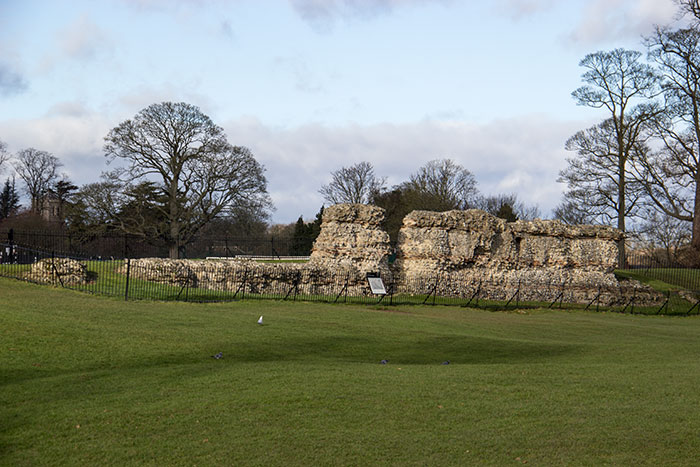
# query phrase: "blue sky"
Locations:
[[313, 85]]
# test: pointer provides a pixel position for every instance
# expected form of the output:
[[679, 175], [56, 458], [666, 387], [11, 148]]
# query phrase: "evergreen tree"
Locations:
[[305, 234], [9, 199]]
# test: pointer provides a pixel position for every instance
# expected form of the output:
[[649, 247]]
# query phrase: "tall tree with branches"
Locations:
[[603, 189], [39, 171], [671, 175], [620, 83], [355, 184], [443, 185], [199, 174]]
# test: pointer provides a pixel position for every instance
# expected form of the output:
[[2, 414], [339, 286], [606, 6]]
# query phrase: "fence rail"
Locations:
[[120, 246], [132, 280]]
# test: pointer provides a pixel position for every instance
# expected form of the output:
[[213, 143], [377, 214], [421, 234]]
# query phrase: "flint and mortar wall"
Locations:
[[351, 244], [460, 251], [470, 250], [352, 239]]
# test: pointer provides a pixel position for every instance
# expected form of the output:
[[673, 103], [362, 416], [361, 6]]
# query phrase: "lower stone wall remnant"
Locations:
[[249, 277], [58, 271]]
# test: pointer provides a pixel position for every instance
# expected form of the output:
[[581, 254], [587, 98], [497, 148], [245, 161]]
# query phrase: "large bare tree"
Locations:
[[354, 184], [671, 175], [199, 174], [39, 171], [619, 82], [445, 184]]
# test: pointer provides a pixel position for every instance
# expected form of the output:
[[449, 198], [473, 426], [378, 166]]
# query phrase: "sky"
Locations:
[[311, 86]]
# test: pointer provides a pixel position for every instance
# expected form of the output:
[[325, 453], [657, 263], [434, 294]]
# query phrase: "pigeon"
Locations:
[[384, 362], [218, 356], [446, 362], [260, 320]]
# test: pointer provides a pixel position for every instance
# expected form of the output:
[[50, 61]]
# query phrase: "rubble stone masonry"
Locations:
[[455, 252]]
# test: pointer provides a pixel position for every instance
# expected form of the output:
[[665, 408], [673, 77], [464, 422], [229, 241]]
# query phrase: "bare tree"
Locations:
[[199, 173], [691, 7], [508, 207], [39, 171], [446, 183], [615, 81], [354, 184], [4, 155], [603, 189], [671, 176], [664, 237], [573, 211]]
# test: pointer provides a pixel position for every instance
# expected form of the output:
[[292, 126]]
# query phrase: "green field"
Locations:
[[665, 278], [88, 380]]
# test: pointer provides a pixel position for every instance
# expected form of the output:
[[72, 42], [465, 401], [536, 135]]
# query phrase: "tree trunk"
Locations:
[[621, 209], [174, 252], [174, 223], [696, 214]]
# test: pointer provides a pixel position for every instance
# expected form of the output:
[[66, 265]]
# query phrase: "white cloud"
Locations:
[[84, 40], [522, 156], [517, 9], [141, 97], [604, 20], [322, 14], [70, 132]]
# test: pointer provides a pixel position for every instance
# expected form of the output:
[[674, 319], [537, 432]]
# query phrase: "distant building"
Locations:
[[51, 208]]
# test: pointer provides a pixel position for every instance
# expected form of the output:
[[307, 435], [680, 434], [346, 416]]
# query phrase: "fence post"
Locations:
[[55, 269], [437, 282], [128, 271], [10, 241], [665, 304]]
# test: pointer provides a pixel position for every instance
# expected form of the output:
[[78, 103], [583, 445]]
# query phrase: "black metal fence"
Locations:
[[120, 246], [131, 279]]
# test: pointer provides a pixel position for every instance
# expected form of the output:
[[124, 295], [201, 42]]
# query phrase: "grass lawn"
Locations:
[[665, 278], [89, 380]]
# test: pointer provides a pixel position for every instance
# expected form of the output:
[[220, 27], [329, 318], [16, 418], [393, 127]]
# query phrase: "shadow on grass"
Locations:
[[419, 351], [341, 349]]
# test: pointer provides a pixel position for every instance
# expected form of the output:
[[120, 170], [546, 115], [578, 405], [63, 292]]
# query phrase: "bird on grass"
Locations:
[[218, 356]]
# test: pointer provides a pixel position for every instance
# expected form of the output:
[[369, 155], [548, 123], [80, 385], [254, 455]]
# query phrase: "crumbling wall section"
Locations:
[[352, 239], [462, 251]]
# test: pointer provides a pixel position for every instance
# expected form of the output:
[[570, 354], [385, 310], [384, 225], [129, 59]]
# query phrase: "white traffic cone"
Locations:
[[260, 320]]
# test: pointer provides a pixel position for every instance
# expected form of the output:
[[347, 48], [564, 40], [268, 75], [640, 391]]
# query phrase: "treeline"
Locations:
[[439, 185]]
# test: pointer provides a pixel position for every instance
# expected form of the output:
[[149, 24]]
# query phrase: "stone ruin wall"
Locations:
[[351, 244], [461, 251], [472, 250], [353, 241]]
